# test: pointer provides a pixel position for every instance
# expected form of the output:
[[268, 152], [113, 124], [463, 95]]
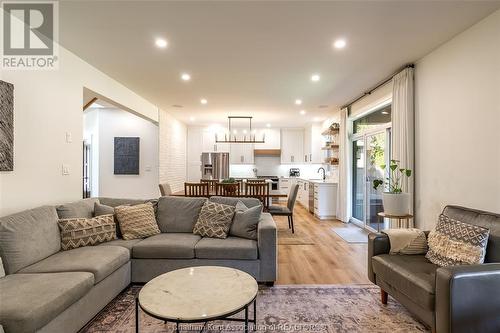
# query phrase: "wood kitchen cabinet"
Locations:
[[313, 141], [210, 146], [241, 153], [292, 146]]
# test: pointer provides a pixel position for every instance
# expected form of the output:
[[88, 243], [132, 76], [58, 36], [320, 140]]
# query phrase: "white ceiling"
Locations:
[[256, 58]]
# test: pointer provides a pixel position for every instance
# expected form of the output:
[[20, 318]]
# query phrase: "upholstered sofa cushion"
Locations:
[[98, 260], [414, 276], [80, 208], [30, 301], [28, 237], [245, 221], [249, 202], [178, 214], [128, 244], [137, 221], [166, 246], [229, 248], [215, 220], [78, 232]]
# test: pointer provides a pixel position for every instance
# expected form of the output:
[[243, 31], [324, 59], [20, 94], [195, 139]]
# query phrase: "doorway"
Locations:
[[371, 150]]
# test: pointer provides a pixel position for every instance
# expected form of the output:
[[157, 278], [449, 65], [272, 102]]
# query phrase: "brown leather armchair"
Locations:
[[448, 299]]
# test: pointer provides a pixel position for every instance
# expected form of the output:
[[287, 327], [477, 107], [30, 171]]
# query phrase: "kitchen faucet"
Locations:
[[324, 173]]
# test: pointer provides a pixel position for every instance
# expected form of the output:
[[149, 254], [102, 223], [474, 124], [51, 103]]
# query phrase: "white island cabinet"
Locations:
[[325, 199]]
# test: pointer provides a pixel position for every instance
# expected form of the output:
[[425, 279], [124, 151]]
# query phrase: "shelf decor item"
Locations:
[[395, 201]]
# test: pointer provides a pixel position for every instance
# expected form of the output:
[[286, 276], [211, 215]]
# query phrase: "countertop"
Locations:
[[314, 180]]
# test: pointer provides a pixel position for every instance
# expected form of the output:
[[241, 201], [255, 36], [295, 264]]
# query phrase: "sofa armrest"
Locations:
[[378, 243], [468, 298], [267, 240]]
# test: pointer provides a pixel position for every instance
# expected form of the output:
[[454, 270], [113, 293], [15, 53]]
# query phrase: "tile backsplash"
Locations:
[[271, 166]]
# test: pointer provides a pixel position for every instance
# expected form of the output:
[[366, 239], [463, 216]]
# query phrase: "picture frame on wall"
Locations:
[[6, 126], [126, 155]]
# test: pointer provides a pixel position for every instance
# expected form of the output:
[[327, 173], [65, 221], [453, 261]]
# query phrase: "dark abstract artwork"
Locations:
[[6, 126], [126, 156]]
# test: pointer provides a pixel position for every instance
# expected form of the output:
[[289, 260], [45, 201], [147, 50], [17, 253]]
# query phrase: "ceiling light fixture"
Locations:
[[302, 112], [203, 101], [298, 102], [231, 135], [339, 43], [192, 118], [315, 77], [161, 43], [316, 119], [185, 77], [384, 112], [268, 125]]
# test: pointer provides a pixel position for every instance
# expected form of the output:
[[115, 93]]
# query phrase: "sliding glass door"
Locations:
[[370, 151]]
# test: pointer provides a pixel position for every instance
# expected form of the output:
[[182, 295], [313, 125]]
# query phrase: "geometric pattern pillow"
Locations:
[[214, 220], [78, 232], [456, 243], [137, 221]]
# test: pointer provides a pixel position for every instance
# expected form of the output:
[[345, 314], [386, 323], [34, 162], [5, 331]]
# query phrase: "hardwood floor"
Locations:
[[331, 260]]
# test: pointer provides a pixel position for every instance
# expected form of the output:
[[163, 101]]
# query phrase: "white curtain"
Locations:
[[403, 130], [344, 188]]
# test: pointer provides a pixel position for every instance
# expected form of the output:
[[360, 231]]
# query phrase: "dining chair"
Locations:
[[258, 190], [256, 180], [211, 183], [228, 189], [165, 189], [196, 190], [288, 210]]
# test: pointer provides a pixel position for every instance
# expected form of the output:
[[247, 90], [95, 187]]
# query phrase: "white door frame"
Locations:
[[364, 136]]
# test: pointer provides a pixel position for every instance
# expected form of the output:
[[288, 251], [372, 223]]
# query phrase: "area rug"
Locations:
[[306, 309], [285, 237], [352, 234]]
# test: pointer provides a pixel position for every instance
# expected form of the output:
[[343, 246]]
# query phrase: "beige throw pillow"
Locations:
[[214, 220], [78, 232], [137, 221], [457, 243]]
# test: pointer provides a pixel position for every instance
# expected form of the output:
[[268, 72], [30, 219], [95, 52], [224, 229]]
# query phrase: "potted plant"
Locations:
[[230, 180], [395, 201]]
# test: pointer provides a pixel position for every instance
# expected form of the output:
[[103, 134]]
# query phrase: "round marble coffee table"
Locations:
[[198, 295]]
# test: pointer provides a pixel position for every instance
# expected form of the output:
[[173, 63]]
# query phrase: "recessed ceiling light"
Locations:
[[302, 112], [315, 77], [185, 77], [340, 43], [384, 112], [192, 118], [268, 125], [161, 43], [203, 101], [298, 101], [316, 119]]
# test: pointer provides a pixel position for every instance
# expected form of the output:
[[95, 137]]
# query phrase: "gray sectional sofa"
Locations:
[[49, 290]]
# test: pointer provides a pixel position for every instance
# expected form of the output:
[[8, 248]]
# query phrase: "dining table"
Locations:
[[241, 195]]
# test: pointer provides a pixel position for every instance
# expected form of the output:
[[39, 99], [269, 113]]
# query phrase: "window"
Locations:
[[372, 120]]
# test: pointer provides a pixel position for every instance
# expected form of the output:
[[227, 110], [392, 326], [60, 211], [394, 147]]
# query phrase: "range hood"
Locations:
[[267, 152]]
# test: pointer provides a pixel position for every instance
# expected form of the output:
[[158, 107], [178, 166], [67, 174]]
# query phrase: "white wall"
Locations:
[[47, 104], [457, 116], [91, 136], [173, 145], [115, 123]]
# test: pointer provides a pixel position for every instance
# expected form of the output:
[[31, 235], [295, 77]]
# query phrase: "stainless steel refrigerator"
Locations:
[[214, 165]]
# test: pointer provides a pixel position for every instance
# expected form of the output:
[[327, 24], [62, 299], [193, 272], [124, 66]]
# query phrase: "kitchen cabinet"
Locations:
[[241, 153], [209, 145], [272, 138], [312, 145], [303, 194], [292, 146], [325, 200]]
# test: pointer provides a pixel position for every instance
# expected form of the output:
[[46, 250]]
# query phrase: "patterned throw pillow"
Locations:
[[78, 232], [456, 243], [137, 221], [214, 220]]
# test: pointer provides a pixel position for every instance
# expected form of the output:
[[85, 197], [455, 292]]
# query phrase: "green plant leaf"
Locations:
[[408, 172], [393, 167]]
